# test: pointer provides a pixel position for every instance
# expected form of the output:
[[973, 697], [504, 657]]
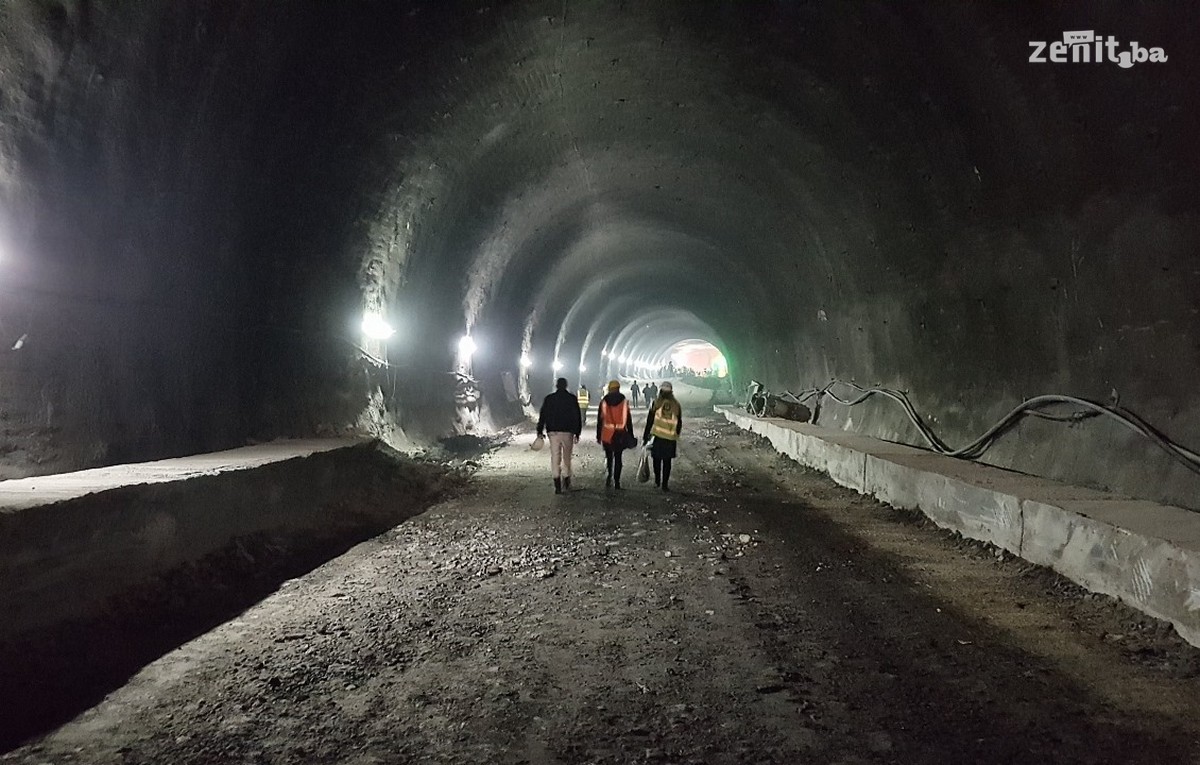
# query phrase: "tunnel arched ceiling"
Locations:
[[200, 201]]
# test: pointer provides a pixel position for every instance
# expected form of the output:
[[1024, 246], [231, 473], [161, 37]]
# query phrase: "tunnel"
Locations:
[[398, 222], [198, 215]]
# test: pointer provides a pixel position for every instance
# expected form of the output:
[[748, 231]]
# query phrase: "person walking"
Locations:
[[560, 419], [585, 401], [664, 422], [614, 431], [651, 393], [635, 393]]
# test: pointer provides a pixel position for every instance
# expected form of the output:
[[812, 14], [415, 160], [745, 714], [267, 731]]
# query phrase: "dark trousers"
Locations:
[[662, 471], [612, 461]]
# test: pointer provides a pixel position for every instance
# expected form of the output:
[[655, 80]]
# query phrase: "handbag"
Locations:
[[626, 440]]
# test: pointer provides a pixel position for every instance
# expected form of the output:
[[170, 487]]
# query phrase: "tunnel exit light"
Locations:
[[375, 327]]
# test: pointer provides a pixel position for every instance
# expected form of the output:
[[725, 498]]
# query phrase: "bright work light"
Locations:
[[557, 365], [374, 327], [466, 347]]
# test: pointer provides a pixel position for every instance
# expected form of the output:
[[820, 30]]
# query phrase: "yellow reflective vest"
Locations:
[[664, 426], [583, 398]]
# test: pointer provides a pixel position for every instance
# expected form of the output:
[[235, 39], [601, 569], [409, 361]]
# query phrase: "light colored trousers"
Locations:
[[561, 445]]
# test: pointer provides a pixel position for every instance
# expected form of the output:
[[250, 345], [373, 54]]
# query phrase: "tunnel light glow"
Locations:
[[375, 327], [720, 365], [558, 365], [582, 369], [466, 347], [526, 362]]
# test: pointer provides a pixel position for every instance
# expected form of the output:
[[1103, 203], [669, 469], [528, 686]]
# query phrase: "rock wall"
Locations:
[[200, 200]]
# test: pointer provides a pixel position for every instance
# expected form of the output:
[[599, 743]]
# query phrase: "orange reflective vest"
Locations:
[[614, 419]]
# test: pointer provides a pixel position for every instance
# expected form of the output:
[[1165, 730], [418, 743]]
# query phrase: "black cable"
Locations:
[[1030, 407]]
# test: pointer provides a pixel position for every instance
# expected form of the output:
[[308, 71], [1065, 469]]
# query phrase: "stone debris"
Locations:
[[560, 635]]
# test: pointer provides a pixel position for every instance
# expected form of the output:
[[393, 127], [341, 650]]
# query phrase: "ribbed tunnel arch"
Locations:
[[651, 332], [201, 203]]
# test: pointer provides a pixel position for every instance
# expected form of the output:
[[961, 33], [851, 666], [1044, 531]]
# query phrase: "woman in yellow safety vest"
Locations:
[[663, 423], [584, 403], [614, 430]]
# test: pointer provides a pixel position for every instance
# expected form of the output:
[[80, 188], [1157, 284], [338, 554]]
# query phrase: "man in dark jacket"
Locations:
[[560, 419], [651, 394]]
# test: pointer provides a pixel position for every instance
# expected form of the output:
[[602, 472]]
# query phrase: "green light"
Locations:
[[720, 365]]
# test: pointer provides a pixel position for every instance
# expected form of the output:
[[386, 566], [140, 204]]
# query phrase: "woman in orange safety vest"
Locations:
[[614, 430]]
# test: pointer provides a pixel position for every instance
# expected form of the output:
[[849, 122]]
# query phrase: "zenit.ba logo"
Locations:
[[1089, 47]]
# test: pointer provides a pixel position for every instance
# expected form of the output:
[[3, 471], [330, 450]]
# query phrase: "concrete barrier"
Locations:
[[1145, 554], [69, 543]]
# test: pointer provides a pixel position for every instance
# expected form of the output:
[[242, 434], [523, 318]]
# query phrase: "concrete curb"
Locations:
[[70, 542], [1145, 554]]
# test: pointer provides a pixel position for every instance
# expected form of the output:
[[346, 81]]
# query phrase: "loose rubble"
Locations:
[[782, 621]]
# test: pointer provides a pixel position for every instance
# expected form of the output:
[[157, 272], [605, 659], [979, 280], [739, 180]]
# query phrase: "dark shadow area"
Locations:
[[471, 446], [49, 676], [843, 619]]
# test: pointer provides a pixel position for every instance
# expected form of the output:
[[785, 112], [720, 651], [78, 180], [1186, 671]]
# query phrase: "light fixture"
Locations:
[[374, 327], [582, 369], [558, 365], [466, 347], [526, 362]]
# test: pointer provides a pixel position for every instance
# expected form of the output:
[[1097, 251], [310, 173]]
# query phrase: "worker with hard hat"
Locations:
[[663, 424], [585, 400], [614, 431]]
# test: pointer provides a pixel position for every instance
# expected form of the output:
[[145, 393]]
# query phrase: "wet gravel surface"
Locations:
[[758, 614]]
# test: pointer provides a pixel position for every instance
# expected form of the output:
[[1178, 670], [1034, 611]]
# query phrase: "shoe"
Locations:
[[567, 483], [657, 484], [558, 486], [664, 487], [617, 485], [607, 481]]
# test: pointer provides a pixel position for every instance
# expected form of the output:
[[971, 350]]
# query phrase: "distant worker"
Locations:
[[635, 393], [614, 431], [584, 401], [651, 394], [560, 419], [663, 423]]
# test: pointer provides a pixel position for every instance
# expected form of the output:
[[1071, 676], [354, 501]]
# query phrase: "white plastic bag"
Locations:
[[538, 443], [643, 474]]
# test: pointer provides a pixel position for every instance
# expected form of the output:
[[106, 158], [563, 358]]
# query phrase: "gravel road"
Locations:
[[758, 614]]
